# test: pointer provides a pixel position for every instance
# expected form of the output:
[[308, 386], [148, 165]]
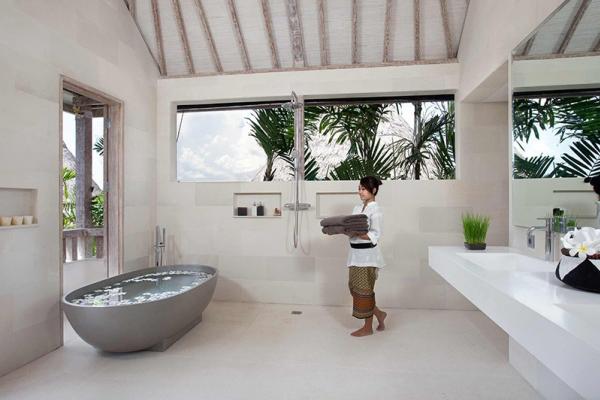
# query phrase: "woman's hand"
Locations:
[[359, 235]]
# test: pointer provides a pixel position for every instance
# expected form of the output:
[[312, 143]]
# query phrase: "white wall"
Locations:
[[97, 44], [555, 74], [492, 29], [254, 257]]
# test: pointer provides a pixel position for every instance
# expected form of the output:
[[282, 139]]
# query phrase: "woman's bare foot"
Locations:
[[364, 331], [380, 319]]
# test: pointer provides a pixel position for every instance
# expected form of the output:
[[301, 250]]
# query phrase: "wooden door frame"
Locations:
[[113, 153]]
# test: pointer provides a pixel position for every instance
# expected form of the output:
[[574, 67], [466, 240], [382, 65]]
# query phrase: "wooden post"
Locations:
[[99, 247], [74, 248], [83, 160]]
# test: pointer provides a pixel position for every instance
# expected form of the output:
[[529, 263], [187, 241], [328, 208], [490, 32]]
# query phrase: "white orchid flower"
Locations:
[[582, 242], [568, 240], [582, 250]]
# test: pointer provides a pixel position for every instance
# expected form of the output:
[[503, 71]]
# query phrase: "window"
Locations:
[[556, 134], [393, 138]]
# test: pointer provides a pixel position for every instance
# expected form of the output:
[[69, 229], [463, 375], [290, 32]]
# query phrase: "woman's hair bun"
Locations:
[[371, 183]]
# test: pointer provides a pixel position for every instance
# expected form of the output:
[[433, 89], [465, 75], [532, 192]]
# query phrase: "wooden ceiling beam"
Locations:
[[596, 45], [323, 39], [327, 67], [208, 35], [131, 7], [237, 29], [354, 31], [270, 36], [447, 34], [556, 56], [575, 19], [183, 36], [159, 39], [417, 28], [296, 34], [387, 30], [528, 45]]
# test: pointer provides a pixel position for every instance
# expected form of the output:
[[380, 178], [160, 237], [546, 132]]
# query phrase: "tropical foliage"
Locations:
[[573, 119], [69, 216], [69, 203], [424, 151]]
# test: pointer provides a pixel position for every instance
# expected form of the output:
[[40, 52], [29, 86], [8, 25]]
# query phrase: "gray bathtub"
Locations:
[[152, 325]]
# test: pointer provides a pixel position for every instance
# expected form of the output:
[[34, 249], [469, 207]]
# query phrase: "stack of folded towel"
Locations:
[[345, 224]]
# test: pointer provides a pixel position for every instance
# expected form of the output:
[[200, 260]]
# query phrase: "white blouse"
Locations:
[[370, 257]]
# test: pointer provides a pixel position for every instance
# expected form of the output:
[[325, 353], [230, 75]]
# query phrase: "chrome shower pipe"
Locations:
[[297, 105], [299, 162]]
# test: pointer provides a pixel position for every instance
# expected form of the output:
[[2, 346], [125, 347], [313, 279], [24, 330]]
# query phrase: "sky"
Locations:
[[97, 132], [216, 146], [548, 145]]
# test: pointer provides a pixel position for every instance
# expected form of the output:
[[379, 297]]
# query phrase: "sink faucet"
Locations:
[[159, 246], [552, 226]]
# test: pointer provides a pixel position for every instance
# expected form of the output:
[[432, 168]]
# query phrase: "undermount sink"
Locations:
[[508, 262]]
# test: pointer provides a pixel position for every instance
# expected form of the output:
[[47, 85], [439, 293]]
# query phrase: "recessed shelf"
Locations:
[[270, 201], [18, 202], [19, 226]]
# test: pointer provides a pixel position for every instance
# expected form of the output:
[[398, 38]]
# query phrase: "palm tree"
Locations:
[[372, 158], [69, 215], [353, 123], [584, 160], [273, 130], [571, 118], [531, 115], [533, 167], [357, 125], [432, 142]]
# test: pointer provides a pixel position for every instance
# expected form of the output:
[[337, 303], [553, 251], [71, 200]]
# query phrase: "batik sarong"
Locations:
[[362, 285]]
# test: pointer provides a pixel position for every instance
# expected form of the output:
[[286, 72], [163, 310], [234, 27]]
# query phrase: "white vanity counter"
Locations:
[[558, 325]]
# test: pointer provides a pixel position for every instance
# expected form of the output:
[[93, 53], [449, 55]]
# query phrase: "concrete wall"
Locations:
[[255, 257], [492, 29], [97, 44], [555, 74]]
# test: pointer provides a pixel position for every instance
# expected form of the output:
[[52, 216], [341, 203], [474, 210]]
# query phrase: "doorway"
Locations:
[[91, 185]]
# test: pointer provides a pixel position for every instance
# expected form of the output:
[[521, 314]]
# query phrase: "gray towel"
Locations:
[[341, 229], [344, 219]]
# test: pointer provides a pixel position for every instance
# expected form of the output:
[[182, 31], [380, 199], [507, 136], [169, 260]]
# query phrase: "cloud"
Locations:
[[216, 146]]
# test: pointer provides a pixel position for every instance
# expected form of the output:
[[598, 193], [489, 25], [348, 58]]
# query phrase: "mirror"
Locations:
[[555, 81]]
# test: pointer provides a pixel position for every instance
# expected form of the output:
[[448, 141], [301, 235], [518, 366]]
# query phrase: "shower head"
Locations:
[[293, 104]]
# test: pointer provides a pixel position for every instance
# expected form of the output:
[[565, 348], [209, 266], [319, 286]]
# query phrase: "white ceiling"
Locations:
[[576, 24], [370, 23]]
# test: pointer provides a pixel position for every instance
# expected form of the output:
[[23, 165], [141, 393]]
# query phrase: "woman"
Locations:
[[365, 259], [595, 182]]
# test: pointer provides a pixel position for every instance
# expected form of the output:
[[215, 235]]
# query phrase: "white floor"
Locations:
[[261, 351]]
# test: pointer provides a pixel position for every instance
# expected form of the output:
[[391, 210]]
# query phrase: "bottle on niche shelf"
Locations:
[[253, 209], [260, 209]]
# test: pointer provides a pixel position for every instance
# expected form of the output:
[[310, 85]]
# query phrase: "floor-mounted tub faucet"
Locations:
[[159, 246]]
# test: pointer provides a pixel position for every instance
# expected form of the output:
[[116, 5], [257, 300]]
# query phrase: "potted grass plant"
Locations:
[[475, 229]]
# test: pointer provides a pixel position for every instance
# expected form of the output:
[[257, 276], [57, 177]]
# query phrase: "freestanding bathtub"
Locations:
[[148, 309]]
